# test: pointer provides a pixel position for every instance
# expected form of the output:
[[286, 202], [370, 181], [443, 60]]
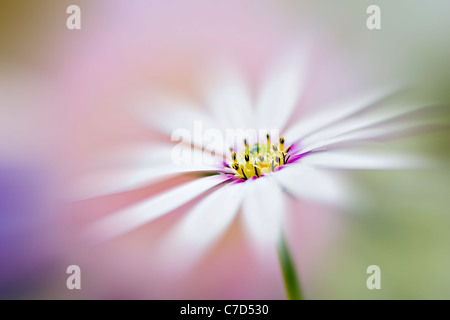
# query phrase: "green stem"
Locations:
[[288, 269]]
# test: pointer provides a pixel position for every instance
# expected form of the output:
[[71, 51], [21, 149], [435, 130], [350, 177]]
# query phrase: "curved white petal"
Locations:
[[228, 96], [366, 159], [137, 215], [388, 130], [263, 211], [333, 113], [122, 180], [136, 155], [391, 118], [309, 183], [282, 90], [200, 228], [134, 166], [147, 155]]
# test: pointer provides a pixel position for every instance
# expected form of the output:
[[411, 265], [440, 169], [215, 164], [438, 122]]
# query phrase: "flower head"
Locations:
[[253, 173]]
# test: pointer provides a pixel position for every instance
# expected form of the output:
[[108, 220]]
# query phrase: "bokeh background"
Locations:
[[65, 99]]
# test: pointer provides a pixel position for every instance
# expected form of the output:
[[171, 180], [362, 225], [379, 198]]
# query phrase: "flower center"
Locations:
[[259, 159]]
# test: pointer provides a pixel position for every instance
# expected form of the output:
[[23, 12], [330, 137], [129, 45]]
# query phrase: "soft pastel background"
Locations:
[[65, 99]]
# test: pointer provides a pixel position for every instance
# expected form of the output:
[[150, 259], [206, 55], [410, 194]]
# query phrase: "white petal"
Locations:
[[143, 155], [147, 155], [313, 184], [263, 211], [135, 216], [388, 130], [115, 181], [229, 97], [383, 120], [332, 114], [366, 159], [167, 113], [200, 228], [132, 172], [282, 90]]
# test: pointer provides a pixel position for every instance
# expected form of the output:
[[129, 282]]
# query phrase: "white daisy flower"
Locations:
[[252, 175]]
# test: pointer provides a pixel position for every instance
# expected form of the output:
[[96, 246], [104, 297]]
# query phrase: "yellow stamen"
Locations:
[[241, 168], [257, 171], [258, 160]]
